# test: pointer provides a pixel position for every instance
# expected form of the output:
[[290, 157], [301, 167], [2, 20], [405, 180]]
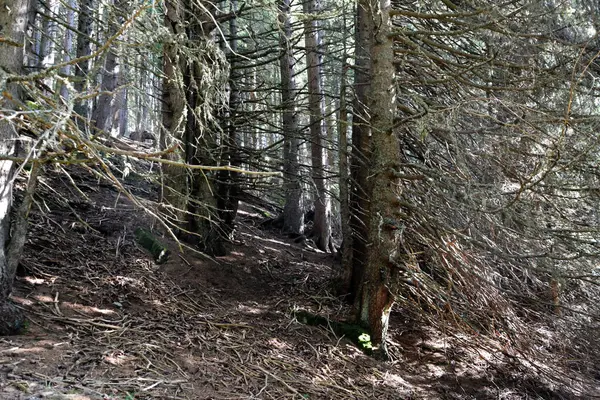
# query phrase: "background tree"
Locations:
[[359, 204], [293, 213], [318, 134], [84, 29], [228, 180], [103, 114]]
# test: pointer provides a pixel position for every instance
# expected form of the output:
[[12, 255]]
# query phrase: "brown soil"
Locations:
[[107, 323]]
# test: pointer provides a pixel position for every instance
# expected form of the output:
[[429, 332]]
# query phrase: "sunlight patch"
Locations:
[[278, 344], [126, 281], [262, 239], [249, 214], [22, 301], [396, 381], [87, 309], [44, 299], [21, 350], [34, 281], [118, 358], [256, 310], [272, 249]]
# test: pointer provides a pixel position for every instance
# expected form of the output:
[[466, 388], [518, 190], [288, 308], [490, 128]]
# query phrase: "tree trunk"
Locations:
[[228, 181], [48, 33], [32, 42], [67, 48], [344, 278], [359, 201], [104, 109], [123, 100], [203, 225], [12, 238], [141, 109], [375, 300], [84, 29], [293, 213], [102, 114], [175, 190], [190, 193], [316, 108]]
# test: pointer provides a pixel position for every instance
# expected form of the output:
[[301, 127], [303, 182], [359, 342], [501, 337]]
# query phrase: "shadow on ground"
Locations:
[[107, 323]]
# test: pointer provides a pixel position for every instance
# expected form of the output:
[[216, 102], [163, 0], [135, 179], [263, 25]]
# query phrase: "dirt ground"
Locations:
[[106, 322]]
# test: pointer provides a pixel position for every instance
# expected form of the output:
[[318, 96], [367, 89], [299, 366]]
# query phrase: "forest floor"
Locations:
[[106, 322]]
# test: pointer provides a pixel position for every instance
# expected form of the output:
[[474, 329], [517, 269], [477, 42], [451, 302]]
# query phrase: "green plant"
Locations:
[[365, 342]]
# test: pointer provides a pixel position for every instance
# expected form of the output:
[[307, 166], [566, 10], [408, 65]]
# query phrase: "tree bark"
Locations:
[[375, 299], [123, 100], [316, 108], [228, 181], [47, 51], [145, 84], [84, 29], [361, 131], [13, 23], [190, 193], [107, 104], [67, 48], [344, 278], [174, 187], [32, 42], [293, 213]]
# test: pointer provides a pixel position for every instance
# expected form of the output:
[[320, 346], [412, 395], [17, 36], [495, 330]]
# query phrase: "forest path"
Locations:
[[107, 323]]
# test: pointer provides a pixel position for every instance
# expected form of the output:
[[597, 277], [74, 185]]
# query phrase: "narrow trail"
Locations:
[[107, 323]]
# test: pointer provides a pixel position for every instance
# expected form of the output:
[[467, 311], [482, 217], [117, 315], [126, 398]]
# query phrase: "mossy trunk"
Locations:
[[191, 194]]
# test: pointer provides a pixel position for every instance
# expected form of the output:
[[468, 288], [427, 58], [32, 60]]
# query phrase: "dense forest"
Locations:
[[313, 199]]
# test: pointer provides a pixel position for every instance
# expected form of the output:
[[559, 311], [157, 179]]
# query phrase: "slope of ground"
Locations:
[[107, 323]]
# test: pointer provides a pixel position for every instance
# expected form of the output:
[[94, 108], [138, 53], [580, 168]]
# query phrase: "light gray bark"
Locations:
[[68, 46], [32, 39], [104, 109], [12, 27], [13, 22], [47, 48], [123, 111]]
